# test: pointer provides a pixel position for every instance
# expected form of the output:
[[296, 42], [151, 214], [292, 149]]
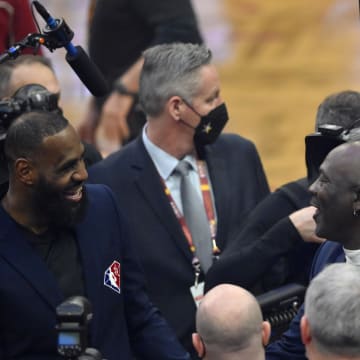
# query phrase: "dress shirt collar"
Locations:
[[164, 162]]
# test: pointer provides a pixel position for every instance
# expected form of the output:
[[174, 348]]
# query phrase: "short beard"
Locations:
[[51, 206]]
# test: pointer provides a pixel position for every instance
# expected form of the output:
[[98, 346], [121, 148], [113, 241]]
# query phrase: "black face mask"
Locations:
[[210, 125]]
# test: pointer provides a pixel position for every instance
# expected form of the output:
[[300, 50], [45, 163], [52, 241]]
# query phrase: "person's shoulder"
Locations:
[[233, 144], [91, 154], [102, 209], [115, 160], [234, 148], [329, 252], [295, 191], [110, 160], [232, 139], [101, 198], [299, 183], [98, 192]]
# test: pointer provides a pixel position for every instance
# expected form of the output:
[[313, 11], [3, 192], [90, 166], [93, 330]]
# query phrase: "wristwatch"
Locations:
[[120, 88]]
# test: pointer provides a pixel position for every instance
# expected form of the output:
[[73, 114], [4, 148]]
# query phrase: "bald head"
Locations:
[[336, 195], [229, 320], [346, 159]]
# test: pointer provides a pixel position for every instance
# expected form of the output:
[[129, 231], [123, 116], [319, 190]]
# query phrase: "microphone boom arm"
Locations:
[[34, 40], [57, 34], [30, 41]]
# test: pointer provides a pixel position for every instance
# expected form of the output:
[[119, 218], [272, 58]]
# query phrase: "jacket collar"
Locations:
[[148, 182], [16, 249]]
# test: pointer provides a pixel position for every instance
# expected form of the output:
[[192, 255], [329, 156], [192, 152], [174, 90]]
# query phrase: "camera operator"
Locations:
[[60, 238], [25, 70]]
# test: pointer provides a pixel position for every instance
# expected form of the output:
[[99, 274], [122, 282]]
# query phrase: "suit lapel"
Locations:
[[17, 251], [148, 182], [219, 177], [89, 238]]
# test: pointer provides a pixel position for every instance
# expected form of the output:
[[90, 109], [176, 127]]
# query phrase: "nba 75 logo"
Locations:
[[112, 276]]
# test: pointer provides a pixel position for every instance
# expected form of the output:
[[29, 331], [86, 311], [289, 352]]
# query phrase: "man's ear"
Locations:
[[198, 344], [266, 332], [305, 330], [174, 105], [25, 171]]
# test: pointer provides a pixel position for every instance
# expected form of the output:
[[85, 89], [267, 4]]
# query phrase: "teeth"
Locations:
[[74, 195]]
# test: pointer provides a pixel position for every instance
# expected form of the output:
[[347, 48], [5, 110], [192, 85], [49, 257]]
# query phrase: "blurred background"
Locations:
[[277, 59]]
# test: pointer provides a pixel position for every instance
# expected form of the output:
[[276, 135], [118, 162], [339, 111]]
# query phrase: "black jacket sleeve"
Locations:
[[267, 235]]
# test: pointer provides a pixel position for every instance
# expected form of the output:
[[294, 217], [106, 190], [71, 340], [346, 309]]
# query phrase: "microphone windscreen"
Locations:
[[88, 72]]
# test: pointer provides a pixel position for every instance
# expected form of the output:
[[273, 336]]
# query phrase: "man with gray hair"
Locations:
[[178, 170], [330, 326], [229, 325]]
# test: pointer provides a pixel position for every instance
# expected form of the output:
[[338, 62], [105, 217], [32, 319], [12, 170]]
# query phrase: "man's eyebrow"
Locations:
[[323, 172], [70, 162]]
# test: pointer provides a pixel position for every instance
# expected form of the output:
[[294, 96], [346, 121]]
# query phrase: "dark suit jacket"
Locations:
[[29, 293], [238, 183], [290, 345]]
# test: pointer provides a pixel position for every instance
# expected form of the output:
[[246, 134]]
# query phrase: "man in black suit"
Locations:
[[180, 93]]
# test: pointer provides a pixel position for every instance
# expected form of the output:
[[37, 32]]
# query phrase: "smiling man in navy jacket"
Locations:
[[59, 238]]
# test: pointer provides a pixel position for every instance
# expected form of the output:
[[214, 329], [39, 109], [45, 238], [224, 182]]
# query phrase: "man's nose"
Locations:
[[81, 173], [313, 187]]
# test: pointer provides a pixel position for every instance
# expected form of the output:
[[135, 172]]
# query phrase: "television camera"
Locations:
[[27, 98], [73, 317]]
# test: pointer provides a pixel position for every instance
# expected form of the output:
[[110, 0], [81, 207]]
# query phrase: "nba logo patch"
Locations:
[[112, 276]]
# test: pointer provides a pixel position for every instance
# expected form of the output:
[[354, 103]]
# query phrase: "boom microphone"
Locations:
[[87, 72], [76, 57]]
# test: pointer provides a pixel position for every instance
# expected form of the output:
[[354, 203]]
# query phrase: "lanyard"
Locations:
[[210, 213]]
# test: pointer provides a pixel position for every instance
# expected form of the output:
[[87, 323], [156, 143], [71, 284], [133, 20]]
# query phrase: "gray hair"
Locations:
[[169, 70], [332, 307]]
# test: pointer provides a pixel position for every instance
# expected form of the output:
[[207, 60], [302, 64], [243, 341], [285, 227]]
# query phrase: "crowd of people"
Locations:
[[172, 235]]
